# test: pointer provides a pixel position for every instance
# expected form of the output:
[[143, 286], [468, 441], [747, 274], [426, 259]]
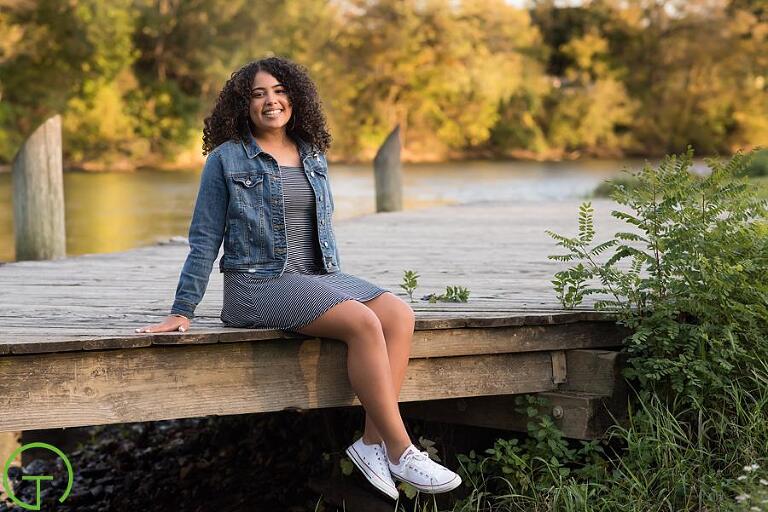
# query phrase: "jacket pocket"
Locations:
[[249, 233], [248, 180], [249, 189]]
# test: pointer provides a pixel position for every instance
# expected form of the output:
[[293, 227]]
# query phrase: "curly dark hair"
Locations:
[[230, 120]]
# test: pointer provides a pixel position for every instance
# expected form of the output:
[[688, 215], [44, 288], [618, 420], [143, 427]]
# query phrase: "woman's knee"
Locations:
[[408, 316], [364, 325], [399, 317], [406, 325]]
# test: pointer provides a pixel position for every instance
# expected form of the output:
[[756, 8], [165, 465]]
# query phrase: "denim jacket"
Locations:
[[240, 203]]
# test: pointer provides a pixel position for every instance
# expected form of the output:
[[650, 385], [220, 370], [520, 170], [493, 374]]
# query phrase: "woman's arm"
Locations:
[[206, 233]]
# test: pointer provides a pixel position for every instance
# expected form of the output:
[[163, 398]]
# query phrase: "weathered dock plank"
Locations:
[[83, 388], [497, 251], [69, 355]]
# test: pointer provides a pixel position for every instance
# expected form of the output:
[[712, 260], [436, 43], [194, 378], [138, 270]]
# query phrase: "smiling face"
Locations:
[[270, 107]]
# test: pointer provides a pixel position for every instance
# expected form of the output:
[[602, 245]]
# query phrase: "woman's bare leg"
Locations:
[[397, 322], [367, 366]]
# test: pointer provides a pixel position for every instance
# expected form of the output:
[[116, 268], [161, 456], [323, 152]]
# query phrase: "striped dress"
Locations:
[[303, 292]]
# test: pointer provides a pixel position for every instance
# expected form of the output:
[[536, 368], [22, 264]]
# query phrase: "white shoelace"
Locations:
[[381, 456], [416, 456]]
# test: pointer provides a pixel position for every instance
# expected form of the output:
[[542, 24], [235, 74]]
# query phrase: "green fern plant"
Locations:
[[571, 285]]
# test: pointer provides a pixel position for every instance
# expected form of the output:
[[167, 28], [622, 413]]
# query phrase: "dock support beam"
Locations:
[[590, 395]]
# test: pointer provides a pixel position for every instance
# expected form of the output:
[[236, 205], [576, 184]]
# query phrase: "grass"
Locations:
[[658, 461]]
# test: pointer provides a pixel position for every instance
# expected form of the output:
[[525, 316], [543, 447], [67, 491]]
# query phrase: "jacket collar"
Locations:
[[252, 148]]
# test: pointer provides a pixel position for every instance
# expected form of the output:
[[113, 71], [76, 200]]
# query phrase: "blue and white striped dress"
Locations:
[[303, 292]]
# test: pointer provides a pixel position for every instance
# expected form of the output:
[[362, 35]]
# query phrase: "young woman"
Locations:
[[264, 193]]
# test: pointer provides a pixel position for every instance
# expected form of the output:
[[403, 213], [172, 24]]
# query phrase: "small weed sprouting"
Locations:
[[410, 281], [429, 447], [452, 294]]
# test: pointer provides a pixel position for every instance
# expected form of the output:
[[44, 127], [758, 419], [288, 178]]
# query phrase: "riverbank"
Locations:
[[195, 160]]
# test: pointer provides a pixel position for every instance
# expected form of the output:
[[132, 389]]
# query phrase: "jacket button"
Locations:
[[312, 173], [322, 221], [247, 182], [321, 199], [325, 244]]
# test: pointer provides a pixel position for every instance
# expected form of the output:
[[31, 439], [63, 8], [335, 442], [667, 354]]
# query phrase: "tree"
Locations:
[[61, 51], [437, 69]]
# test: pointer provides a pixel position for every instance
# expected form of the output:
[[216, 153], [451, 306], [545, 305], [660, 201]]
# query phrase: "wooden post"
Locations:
[[38, 195], [387, 175]]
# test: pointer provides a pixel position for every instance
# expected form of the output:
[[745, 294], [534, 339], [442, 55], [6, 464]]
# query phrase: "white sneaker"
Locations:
[[371, 460], [426, 475]]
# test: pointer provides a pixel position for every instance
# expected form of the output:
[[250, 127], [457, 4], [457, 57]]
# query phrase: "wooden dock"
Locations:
[[69, 355]]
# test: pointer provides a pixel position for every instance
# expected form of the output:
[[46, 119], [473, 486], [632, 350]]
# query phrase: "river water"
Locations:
[[107, 212]]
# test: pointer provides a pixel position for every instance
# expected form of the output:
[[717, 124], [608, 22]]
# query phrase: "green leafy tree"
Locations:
[[437, 69], [476, 77], [697, 70], [61, 52]]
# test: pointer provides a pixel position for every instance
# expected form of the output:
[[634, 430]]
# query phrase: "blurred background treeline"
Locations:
[[465, 79]]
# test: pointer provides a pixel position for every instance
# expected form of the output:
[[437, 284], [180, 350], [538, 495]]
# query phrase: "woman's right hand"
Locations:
[[171, 323]]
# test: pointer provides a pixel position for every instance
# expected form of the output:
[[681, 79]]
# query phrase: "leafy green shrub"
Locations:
[[694, 291], [522, 473], [688, 277]]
